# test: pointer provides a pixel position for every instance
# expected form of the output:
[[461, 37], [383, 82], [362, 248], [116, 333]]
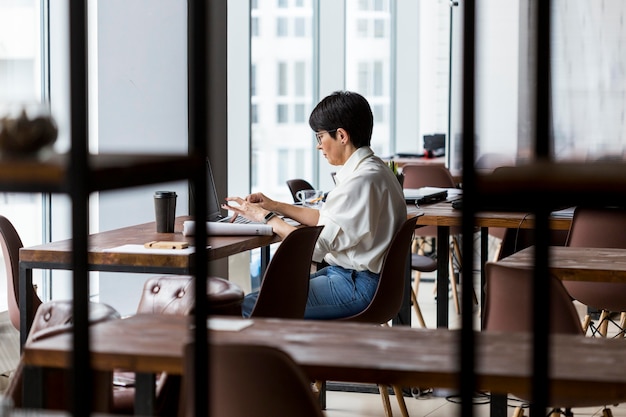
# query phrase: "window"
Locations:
[[299, 113], [253, 80], [254, 26], [282, 27], [588, 72], [299, 27], [282, 113], [283, 84], [369, 64], [299, 79], [21, 82], [282, 79]]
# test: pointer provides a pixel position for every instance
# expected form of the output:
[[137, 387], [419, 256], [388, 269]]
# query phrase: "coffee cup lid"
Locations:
[[164, 194]]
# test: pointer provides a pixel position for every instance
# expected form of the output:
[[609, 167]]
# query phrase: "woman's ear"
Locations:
[[343, 135]]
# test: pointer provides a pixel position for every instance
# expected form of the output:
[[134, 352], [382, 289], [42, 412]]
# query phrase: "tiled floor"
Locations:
[[346, 404]]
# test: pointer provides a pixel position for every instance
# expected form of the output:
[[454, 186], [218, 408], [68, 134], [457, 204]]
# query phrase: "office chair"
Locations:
[[599, 228], [509, 308], [420, 263], [11, 243], [285, 284], [296, 185], [387, 300], [251, 381]]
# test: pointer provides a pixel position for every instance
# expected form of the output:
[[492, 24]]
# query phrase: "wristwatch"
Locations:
[[269, 216]]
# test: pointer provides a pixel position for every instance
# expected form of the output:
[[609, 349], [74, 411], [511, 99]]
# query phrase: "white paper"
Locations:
[[233, 325], [229, 229], [143, 249], [564, 213]]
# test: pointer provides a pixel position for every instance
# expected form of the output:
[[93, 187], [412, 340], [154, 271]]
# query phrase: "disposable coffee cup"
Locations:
[[165, 211]]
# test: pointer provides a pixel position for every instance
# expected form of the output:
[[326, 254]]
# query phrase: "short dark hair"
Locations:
[[347, 110]]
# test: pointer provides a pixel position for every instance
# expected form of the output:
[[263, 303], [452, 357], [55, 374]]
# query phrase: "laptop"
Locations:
[[425, 195], [214, 210]]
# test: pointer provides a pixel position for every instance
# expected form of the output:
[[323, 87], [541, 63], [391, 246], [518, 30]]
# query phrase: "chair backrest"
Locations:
[[51, 318], [514, 240], [509, 302], [11, 243], [598, 228], [271, 382], [417, 176], [387, 300], [171, 294], [285, 283], [296, 185]]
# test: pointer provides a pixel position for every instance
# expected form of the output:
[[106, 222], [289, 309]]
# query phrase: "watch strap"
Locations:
[[269, 216]]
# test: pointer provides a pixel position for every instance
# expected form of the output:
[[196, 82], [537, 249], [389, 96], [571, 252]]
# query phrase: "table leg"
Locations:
[[265, 258], [26, 303], [484, 255], [497, 406], [404, 315], [443, 277], [145, 397], [32, 387]]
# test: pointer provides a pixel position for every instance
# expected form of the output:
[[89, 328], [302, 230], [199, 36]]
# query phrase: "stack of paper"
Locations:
[[229, 229]]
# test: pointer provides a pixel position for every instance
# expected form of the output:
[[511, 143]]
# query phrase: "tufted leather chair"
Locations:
[[175, 295], [51, 318]]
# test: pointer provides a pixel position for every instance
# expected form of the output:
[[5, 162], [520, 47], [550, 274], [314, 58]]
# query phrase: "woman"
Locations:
[[360, 215]]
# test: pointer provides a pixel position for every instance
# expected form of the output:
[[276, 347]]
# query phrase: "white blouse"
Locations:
[[361, 214]]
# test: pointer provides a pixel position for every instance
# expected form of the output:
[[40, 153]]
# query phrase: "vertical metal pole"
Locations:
[[197, 40], [467, 378], [541, 287], [79, 191]]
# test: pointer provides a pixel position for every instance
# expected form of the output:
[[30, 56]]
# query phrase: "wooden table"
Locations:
[[577, 264], [58, 255], [355, 352], [444, 216]]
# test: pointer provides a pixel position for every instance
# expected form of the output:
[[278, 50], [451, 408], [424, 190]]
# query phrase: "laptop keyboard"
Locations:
[[238, 220]]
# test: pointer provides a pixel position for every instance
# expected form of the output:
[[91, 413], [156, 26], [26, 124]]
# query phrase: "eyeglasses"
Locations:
[[318, 135]]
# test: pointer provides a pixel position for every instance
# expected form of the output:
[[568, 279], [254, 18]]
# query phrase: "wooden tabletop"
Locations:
[[358, 352], [49, 173], [577, 264], [442, 214], [59, 253]]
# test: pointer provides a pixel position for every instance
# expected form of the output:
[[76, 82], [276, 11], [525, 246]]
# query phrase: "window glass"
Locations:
[[368, 63], [254, 27], [20, 84], [589, 79], [283, 81], [282, 27], [282, 113]]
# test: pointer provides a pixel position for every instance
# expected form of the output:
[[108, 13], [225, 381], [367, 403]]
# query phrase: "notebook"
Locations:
[[425, 195]]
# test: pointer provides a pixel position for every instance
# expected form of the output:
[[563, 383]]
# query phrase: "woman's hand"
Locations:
[[250, 210], [261, 199]]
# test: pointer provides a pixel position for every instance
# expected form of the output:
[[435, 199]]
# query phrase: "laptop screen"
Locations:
[[214, 211]]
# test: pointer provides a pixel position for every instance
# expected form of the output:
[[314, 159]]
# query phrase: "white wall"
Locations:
[[140, 105], [497, 66]]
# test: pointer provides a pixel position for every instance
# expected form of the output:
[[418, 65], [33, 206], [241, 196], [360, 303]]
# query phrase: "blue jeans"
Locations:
[[334, 292]]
